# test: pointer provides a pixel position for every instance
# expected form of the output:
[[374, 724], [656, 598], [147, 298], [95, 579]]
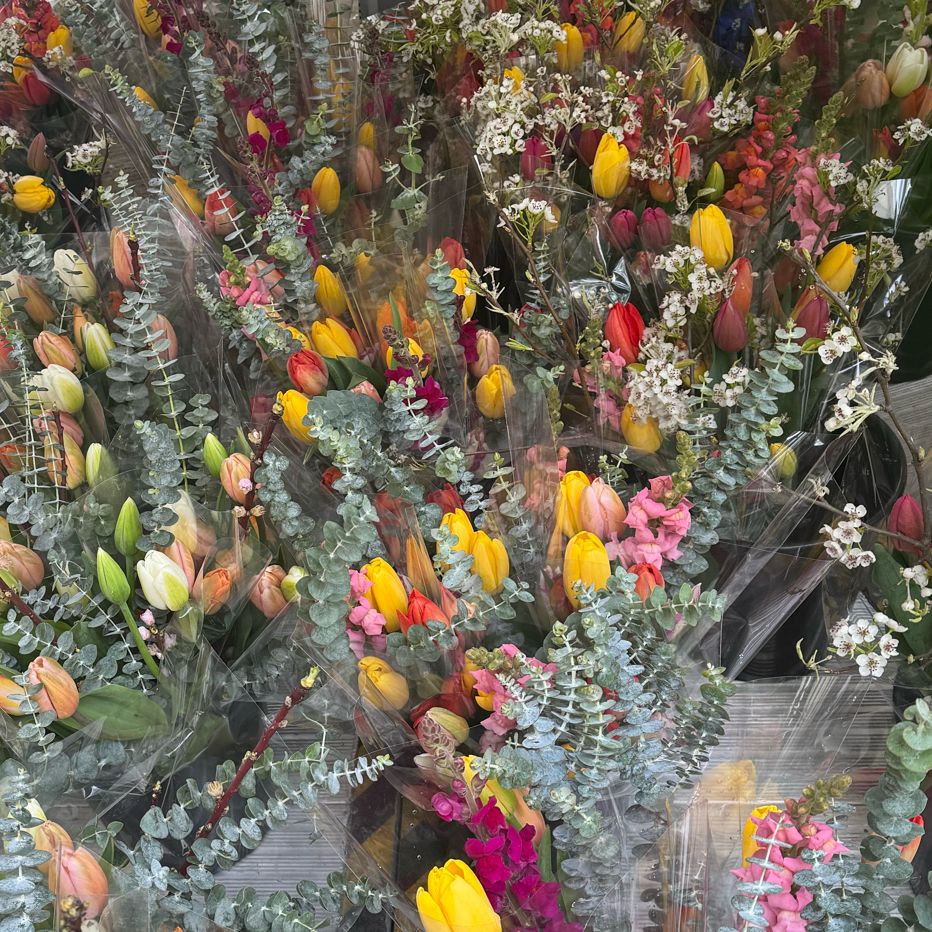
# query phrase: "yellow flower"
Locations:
[[189, 195], [509, 802], [414, 349], [748, 845], [838, 267], [641, 435], [387, 594], [256, 125], [461, 277], [331, 338], [696, 80], [570, 50], [330, 294], [148, 18], [495, 388], [517, 77], [299, 336], [784, 458], [572, 486], [31, 194], [710, 232], [489, 561], [610, 168], [457, 522], [586, 562], [143, 95], [366, 135], [381, 685], [326, 188], [629, 33], [60, 38], [455, 901], [295, 407]]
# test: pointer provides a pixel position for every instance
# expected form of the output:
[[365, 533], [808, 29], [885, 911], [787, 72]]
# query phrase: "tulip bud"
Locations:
[[871, 87], [214, 454], [453, 253], [289, 585], [75, 275], [22, 563], [58, 694], [624, 328], [368, 171], [488, 352], [97, 345], [31, 195], [331, 338], [494, 391], [730, 328], [381, 685], [266, 593], [110, 577], [569, 494], [811, 313], [447, 499], [387, 594], [714, 184], [75, 872], [710, 232], [585, 562], [918, 105], [601, 511], [454, 725], [641, 435], [655, 229], [623, 227], [629, 33], [64, 459], [121, 255], [838, 267], [419, 567], [308, 372], [648, 579], [906, 518], [742, 284], [147, 18], [36, 157], [455, 900], [610, 168], [462, 290], [294, 410], [57, 349], [569, 49], [784, 459], [535, 158], [489, 561], [164, 340], [59, 389], [907, 69], [330, 294], [368, 389], [696, 80], [365, 136], [98, 465], [256, 126], [183, 193], [163, 582], [213, 589], [143, 96], [419, 611], [236, 477], [220, 213], [128, 529], [458, 523], [49, 837], [326, 188]]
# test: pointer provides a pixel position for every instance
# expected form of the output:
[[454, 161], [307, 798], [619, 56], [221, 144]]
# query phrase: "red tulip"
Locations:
[[420, 611], [535, 158], [447, 498], [588, 144], [623, 227], [730, 328], [35, 90], [308, 372], [742, 290], [624, 328], [219, 211], [655, 229], [811, 313], [906, 518], [648, 578], [908, 851], [453, 253], [663, 190]]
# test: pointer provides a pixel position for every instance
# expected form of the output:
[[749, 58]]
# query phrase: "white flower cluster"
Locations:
[[9, 138], [867, 193], [912, 131], [539, 32], [854, 404], [734, 383], [834, 172], [10, 42], [88, 156], [696, 283], [844, 538], [529, 209], [923, 240], [654, 391], [868, 642], [730, 111], [501, 117], [837, 343], [918, 577]]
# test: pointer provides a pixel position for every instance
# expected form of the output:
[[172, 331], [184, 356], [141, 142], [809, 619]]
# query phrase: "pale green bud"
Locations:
[[214, 454], [97, 344], [714, 186], [111, 578], [128, 528], [98, 465], [289, 584]]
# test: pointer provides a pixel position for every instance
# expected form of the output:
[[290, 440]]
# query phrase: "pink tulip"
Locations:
[[75, 872], [266, 593], [535, 158], [601, 511], [906, 518], [730, 328], [57, 349], [179, 554], [36, 156], [742, 278], [121, 255], [623, 227], [655, 229], [811, 313], [367, 388], [368, 171], [489, 352], [163, 326], [25, 564], [236, 477], [59, 694]]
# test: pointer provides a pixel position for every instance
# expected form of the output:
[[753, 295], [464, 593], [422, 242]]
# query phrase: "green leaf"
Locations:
[[124, 714]]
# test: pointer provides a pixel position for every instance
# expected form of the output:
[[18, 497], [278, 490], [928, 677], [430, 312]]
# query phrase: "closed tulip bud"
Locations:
[[368, 171], [49, 837], [64, 460], [98, 465], [907, 69], [447, 499], [75, 275], [220, 213], [624, 328], [368, 389], [488, 352], [326, 188], [569, 494], [871, 87], [453, 253], [811, 313], [22, 563], [181, 557], [784, 458], [610, 168], [330, 294], [489, 561], [380, 685], [696, 80], [36, 156], [308, 372], [128, 529], [906, 518], [623, 227], [710, 232], [60, 38], [419, 567], [331, 338], [420, 610], [183, 193], [742, 284], [648, 579], [601, 511], [121, 255], [75, 872], [655, 229], [147, 18], [641, 435], [57, 349], [32, 195], [536, 158], [236, 477], [387, 594], [294, 409], [918, 105], [38, 307], [454, 725], [455, 901], [838, 267], [461, 289], [112, 580], [97, 345], [494, 391], [289, 584], [214, 454], [164, 584], [730, 328], [457, 523], [164, 341], [570, 48], [714, 184], [586, 562], [59, 389], [212, 590], [143, 96], [36, 91], [629, 33], [678, 163], [266, 593], [58, 694]]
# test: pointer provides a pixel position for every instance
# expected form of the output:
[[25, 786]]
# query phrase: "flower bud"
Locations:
[[838, 267], [811, 313], [294, 410], [710, 232], [586, 562], [629, 33], [110, 577], [419, 611], [97, 345], [696, 80], [569, 495], [22, 563], [366, 388], [164, 341], [36, 157], [488, 351], [147, 18], [871, 87], [37, 306], [57, 349], [489, 561], [906, 518], [326, 188], [730, 328], [494, 391], [128, 529], [75, 275], [387, 594], [49, 837], [714, 184], [458, 523], [183, 193], [910, 849], [742, 284], [308, 372], [75, 872], [624, 328], [536, 158], [601, 511], [181, 557], [220, 213], [214, 454], [164, 584], [455, 725], [59, 389], [331, 338], [266, 593], [236, 477], [907, 69], [330, 294], [290, 583], [784, 459], [143, 96], [98, 465], [641, 435], [447, 498], [64, 461], [368, 171], [623, 227], [611, 168], [655, 229], [32, 195], [381, 685], [918, 105], [213, 589], [569, 49], [58, 694], [455, 900], [121, 256], [648, 578], [12, 697]]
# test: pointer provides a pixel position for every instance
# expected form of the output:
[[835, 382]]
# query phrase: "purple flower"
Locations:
[[448, 807]]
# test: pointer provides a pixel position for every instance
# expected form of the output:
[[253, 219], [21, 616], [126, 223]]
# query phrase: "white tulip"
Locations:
[[76, 275], [163, 582]]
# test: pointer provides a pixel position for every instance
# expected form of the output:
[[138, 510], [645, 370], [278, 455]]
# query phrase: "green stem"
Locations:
[[147, 658]]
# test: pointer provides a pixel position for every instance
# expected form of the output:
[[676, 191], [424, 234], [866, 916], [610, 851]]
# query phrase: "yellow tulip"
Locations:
[[145, 97], [148, 18], [572, 486], [696, 80], [494, 390], [641, 435], [455, 901], [31, 194], [517, 77], [748, 845], [363, 266], [457, 522], [295, 407], [585, 561], [60, 38], [366, 135], [330, 294], [509, 802], [629, 33], [387, 594], [710, 232], [331, 338], [299, 336], [461, 288], [381, 685], [610, 168], [189, 195], [414, 349], [838, 267], [570, 50], [326, 188], [257, 126], [489, 561]]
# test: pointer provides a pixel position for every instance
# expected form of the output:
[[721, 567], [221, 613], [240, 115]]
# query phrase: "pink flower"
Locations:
[[658, 528], [813, 208], [448, 807]]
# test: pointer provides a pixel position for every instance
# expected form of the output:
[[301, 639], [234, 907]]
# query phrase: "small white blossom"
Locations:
[[871, 664]]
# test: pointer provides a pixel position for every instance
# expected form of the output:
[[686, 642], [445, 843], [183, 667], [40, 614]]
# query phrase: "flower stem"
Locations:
[[147, 658]]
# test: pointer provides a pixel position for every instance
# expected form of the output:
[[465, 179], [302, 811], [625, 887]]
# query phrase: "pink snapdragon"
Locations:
[[364, 621], [658, 528], [814, 207]]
